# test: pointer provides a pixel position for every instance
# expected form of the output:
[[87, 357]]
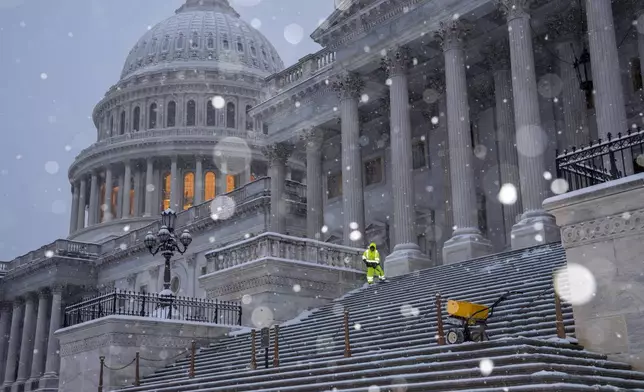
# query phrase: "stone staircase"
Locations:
[[394, 345]]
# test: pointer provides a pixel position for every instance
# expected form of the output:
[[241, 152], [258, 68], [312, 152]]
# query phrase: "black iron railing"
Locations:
[[603, 160], [129, 303]]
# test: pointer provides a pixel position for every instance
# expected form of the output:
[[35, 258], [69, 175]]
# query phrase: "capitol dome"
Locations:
[[201, 35]]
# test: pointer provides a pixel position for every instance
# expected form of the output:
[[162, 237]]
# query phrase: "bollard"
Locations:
[[276, 353], [561, 331], [100, 374], [347, 342], [137, 378], [193, 352], [253, 363], [439, 320]]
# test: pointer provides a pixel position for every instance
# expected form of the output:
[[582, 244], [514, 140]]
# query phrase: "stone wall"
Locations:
[[602, 229]]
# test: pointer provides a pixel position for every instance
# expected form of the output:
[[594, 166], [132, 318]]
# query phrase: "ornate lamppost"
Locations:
[[165, 241], [581, 64]]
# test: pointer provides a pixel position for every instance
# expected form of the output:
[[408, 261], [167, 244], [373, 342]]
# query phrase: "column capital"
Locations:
[[6, 306], [566, 24], [397, 61], [513, 9], [313, 137], [44, 292], [279, 152], [497, 55], [31, 296], [18, 302], [451, 34], [348, 85], [58, 288]]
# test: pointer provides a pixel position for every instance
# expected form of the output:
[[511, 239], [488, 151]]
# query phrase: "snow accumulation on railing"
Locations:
[[64, 248], [306, 67]]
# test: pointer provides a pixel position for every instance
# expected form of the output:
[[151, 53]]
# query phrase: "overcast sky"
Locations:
[[57, 59]]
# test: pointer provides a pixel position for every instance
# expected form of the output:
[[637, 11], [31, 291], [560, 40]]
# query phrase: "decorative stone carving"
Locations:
[[44, 292], [279, 152], [257, 282], [397, 61], [452, 33], [497, 54], [514, 8], [609, 227], [313, 137], [348, 85], [18, 302], [565, 24]]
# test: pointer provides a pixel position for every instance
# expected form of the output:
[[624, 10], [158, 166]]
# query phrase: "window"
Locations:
[[166, 43], [136, 118], [636, 74], [211, 114], [225, 42], [240, 45], [418, 154], [122, 124], [230, 115], [175, 285], [373, 171], [334, 185], [152, 116], [231, 183], [111, 125], [204, 270], [194, 42], [191, 113], [172, 114], [180, 41], [132, 198], [211, 41], [249, 119], [264, 54], [209, 186], [188, 190], [153, 46], [265, 129], [253, 51], [167, 189]]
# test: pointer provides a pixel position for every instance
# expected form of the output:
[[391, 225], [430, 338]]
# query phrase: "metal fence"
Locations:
[[129, 303], [602, 161]]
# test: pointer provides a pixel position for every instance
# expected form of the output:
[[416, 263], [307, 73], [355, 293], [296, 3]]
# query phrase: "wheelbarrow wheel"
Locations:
[[455, 336]]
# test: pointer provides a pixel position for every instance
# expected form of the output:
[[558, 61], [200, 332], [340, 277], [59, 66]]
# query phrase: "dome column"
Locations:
[[199, 180], [75, 206], [93, 199], [137, 190], [150, 186], [107, 214], [127, 186], [80, 222], [174, 184]]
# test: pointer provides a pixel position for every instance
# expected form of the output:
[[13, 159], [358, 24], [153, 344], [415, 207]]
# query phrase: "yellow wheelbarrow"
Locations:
[[468, 321]]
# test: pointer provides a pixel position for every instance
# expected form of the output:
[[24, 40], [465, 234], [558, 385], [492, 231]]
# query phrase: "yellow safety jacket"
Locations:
[[372, 257]]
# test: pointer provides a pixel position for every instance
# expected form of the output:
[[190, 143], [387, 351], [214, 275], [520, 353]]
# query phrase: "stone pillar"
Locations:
[[220, 178], [199, 192], [278, 155], [406, 256], [127, 187], [174, 188], [349, 87], [42, 330], [314, 184], [137, 191], [93, 200], [73, 219], [536, 226], [80, 222], [107, 215], [14, 342], [466, 242], [156, 195], [5, 333], [607, 81], [53, 356], [498, 57], [150, 187], [119, 200], [27, 342]]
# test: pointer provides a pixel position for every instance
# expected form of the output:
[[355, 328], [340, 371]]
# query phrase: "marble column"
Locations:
[[174, 185], [73, 220], [42, 330], [28, 339], [467, 242], [52, 365], [13, 349], [199, 192], [127, 187], [278, 155], [158, 188], [119, 197], [314, 184], [107, 207], [80, 222], [536, 226], [406, 256], [349, 88], [150, 187], [221, 183], [498, 60], [607, 81], [93, 200], [137, 191], [5, 333]]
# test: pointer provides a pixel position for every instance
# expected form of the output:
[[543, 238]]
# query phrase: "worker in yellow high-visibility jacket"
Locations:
[[371, 258]]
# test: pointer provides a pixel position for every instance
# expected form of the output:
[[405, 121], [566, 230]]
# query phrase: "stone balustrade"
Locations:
[[306, 67], [279, 246], [56, 248], [295, 191]]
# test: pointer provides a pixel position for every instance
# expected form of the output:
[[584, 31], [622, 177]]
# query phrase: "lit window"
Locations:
[[172, 114], [132, 199], [122, 124], [136, 119], [373, 171], [191, 113], [167, 189], [230, 115], [231, 183], [249, 119], [209, 186], [152, 116], [188, 190], [211, 114], [334, 185], [419, 155]]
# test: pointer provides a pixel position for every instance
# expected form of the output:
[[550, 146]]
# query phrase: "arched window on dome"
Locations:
[[172, 114], [188, 190], [111, 125], [264, 54], [152, 117], [180, 41], [211, 41], [166, 43], [209, 186], [167, 189], [153, 47], [253, 51], [240, 45], [225, 42], [136, 119], [230, 115], [194, 42], [191, 113], [249, 119], [265, 128], [211, 114], [122, 124]]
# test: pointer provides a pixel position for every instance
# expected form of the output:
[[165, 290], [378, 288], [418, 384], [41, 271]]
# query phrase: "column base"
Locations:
[[466, 244], [48, 383], [18, 386], [404, 259], [535, 228], [33, 384]]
